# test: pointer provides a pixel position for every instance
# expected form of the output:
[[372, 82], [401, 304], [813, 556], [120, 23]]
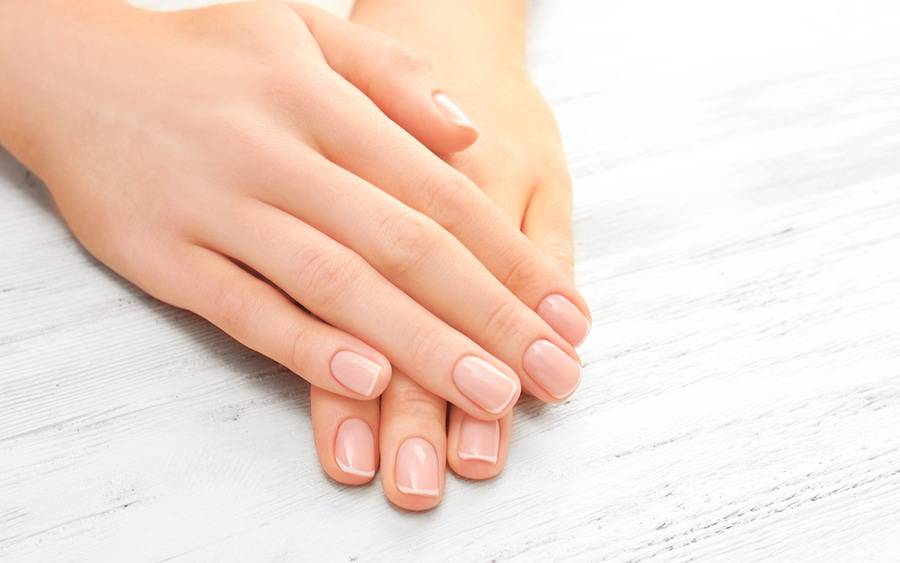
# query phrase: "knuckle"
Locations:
[[232, 311], [409, 399], [246, 141], [409, 238], [525, 266], [298, 346], [505, 320], [450, 198], [426, 344], [280, 83], [561, 251], [406, 60], [323, 276]]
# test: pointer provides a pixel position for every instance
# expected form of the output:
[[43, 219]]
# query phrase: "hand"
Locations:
[[518, 161], [222, 160]]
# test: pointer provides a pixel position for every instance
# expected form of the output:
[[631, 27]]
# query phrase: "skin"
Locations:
[[478, 56], [242, 159]]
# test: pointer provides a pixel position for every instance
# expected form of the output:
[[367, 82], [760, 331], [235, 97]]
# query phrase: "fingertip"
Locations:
[[415, 479], [477, 449], [364, 373], [455, 129], [345, 432], [413, 445]]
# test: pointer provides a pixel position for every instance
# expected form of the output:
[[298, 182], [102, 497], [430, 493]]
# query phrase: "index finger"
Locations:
[[398, 165]]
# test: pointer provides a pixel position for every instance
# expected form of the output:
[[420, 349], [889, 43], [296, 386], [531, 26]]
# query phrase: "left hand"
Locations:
[[518, 161]]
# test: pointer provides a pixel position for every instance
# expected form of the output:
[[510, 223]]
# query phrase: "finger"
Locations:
[[548, 221], [346, 433], [262, 318], [424, 182], [399, 80], [477, 449], [421, 258], [346, 292], [413, 445]]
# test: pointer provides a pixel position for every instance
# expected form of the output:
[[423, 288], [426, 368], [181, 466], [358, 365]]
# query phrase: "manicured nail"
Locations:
[[479, 439], [417, 468], [565, 318], [354, 448], [484, 384], [451, 111], [552, 369], [355, 372]]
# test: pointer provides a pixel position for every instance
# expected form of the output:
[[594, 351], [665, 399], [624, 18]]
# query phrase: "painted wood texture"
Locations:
[[737, 177]]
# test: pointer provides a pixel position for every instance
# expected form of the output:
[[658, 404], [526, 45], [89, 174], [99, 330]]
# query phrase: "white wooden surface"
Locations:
[[737, 172]]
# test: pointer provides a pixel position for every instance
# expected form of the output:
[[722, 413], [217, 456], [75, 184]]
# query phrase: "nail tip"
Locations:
[[569, 393], [564, 317], [552, 369], [587, 332], [356, 372], [451, 111], [467, 456], [418, 492], [470, 376], [514, 395], [375, 379], [368, 474]]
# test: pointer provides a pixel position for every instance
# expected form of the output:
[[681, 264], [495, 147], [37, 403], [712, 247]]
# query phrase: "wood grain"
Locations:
[[737, 174]]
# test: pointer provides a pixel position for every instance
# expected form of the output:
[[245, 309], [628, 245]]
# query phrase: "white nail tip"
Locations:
[[357, 472], [452, 111], [419, 492], [512, 396], [468, 456]]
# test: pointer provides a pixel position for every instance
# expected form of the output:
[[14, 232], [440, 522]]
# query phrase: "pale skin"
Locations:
[[477, 50], [267, 166]]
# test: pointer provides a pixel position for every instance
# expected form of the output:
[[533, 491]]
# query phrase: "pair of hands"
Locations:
[[263, 166], [518, 162]]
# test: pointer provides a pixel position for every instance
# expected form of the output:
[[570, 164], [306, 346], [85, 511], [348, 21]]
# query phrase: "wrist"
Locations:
[[474, 38]]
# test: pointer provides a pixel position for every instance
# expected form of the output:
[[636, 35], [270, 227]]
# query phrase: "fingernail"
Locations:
[[355, 372], [451, 111], [479, 439], [565, 318], [354, 448], [484, 384], [417, 468], [552, 369]]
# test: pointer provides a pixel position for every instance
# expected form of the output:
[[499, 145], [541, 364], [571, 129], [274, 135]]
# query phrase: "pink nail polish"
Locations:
[[355, 372], [484, 384], [479, 439], [417, 468], [565, 318], [552, 369], [451, 111], [354, 448]]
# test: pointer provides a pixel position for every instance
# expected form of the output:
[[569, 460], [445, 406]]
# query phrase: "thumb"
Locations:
[[399, 80]]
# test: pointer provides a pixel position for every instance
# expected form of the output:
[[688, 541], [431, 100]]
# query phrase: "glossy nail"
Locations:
[[484, 384], [355, 372], [417, 468], [354, 448], [565, 318], [451, 111], [552, 369], [479, 439]]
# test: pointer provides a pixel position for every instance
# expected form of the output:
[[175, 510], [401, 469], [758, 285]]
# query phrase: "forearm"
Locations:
[[467, 29]]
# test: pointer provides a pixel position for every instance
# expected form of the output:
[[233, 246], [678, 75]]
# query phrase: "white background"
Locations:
[[737, 176]]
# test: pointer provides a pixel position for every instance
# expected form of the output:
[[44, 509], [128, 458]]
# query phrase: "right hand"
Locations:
[[226, 161]]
